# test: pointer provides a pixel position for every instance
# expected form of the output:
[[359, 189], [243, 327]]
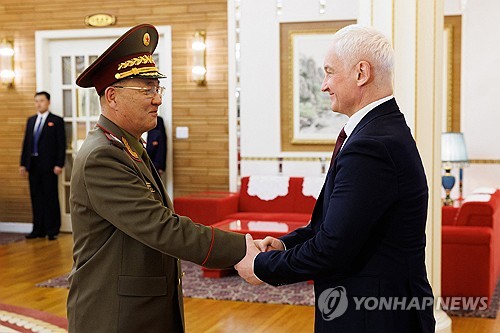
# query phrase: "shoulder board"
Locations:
[[122, 144], [111, 137], [114, 140]]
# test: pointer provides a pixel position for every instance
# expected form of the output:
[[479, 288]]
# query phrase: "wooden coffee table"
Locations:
[[258, 230]]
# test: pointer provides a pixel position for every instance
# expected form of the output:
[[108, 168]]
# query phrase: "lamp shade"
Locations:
[[453, 149]]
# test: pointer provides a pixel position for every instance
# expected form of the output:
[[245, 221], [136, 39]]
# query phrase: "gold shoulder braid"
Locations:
[[129, 150]]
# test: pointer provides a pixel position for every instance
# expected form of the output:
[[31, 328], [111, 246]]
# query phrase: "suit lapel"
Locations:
[[317, 213], [31, 126]]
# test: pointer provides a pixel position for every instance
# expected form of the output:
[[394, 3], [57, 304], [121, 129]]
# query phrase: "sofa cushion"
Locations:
[[207, 207], [294, 201], [477, 210], [467, 235]]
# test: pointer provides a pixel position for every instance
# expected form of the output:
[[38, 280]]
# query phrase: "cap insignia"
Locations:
[[131, 152], [146, 39]]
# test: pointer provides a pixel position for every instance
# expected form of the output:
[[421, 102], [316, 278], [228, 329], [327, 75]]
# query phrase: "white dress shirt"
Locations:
[[355, 119], [40, 120]]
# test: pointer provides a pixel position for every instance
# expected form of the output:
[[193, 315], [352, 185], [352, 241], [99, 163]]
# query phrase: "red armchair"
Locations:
[[471, 247]]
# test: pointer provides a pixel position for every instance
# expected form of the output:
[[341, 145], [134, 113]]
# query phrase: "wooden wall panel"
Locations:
[[200, 162]]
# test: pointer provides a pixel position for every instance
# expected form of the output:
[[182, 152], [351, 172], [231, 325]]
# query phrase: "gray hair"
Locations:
[[355, 42]]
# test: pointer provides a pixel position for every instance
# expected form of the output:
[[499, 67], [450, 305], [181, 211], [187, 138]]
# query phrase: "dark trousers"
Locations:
[[44, 200]]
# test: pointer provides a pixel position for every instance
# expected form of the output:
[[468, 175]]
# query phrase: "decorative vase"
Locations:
[[448, 181]]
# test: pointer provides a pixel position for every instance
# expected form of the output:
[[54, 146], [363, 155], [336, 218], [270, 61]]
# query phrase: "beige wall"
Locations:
[[201, 162]]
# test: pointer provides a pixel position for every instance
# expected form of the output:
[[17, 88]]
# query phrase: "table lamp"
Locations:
[[453, 154]]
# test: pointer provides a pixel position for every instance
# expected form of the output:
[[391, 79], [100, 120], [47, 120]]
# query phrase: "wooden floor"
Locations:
[[23, 264]]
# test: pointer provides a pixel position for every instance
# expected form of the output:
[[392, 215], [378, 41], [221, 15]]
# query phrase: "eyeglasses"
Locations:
[[148, 91]]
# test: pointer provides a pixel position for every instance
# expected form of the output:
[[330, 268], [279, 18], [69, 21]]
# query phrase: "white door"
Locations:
[[61, 56]]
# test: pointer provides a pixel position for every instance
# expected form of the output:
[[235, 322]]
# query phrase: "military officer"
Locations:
[[126, 275]]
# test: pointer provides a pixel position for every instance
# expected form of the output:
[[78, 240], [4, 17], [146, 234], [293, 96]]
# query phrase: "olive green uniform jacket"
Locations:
[[128, 241]]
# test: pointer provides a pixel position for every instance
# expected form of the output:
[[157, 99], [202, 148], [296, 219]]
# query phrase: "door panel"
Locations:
[[79, 107]]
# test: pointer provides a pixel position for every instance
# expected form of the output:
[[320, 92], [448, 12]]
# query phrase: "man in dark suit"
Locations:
[[42, 159], [128, 241], [156, 146], [365, 245]]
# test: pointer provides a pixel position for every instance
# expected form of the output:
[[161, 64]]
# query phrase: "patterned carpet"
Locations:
[[10, 237], [234, 288], [490, 312], [231, 288], [14, 319]]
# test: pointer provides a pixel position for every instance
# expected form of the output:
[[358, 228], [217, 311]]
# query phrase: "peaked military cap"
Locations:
[[130, 56]]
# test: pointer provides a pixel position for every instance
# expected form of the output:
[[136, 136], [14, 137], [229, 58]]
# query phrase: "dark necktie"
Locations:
[[36, 137], [340, 141]]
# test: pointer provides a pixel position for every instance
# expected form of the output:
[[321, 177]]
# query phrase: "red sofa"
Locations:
[[471, 247], [211, 207]]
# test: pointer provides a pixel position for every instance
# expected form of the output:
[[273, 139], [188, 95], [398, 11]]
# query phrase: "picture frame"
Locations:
[[452, 50], [307, 121]]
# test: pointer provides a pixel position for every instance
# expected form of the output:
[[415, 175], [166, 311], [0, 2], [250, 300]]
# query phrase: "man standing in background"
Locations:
[[42, 160], [156, 145]]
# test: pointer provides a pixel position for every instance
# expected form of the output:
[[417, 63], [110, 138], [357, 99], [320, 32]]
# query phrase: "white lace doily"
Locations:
[[268, 187], [268, 226], [484, 190], [478, 198], [312, 186]]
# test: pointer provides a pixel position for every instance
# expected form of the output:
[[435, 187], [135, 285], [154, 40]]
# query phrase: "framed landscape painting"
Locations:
[[307, 121]]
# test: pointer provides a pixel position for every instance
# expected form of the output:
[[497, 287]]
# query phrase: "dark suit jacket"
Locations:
[[367, 231], [51, 144], [157, 145]]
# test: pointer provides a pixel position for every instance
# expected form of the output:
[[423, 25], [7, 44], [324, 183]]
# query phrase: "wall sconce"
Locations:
[[7, 73], [199, 71]]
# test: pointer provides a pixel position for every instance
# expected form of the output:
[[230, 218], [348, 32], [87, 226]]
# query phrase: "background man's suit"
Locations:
[[367, 231], [156, 145], [43, 181]]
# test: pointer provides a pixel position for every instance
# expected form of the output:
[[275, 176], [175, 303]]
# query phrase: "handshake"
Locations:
[[254, 247]]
